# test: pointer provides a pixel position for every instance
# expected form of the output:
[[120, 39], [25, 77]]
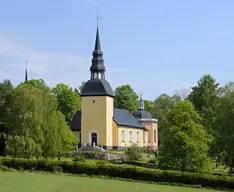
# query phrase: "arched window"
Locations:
[[155, 136], [138, 137], [123, 136], [130, 136]]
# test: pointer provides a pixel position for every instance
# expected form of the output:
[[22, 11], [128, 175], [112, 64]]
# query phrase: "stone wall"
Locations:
[[99, 155]]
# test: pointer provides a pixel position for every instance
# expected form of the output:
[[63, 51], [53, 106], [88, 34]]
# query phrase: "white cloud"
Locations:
[[49, 66], [72, 70]]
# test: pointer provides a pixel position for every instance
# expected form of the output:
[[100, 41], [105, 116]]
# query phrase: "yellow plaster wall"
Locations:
[[97, 114], [115, 133], [127, 143], [151, 126], [109, 120]]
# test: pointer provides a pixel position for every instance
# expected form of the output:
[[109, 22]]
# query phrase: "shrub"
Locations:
[[153, 161], [123, 171], [133, 153], [79, 158], [101, 162]]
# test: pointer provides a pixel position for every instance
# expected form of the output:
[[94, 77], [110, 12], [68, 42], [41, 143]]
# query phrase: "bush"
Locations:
[[79, 158], [101, 162], [153, 161], [133, 153], [122, 171]]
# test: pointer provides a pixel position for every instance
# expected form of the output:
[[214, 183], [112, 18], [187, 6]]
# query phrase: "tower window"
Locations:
[[95, 75]]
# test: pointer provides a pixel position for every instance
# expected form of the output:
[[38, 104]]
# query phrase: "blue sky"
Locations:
[[156, 46]]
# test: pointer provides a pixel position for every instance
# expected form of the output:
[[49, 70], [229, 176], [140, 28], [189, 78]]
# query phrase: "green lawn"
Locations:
[[35, 182]]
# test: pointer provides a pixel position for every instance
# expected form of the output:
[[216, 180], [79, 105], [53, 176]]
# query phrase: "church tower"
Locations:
[[97, 100]]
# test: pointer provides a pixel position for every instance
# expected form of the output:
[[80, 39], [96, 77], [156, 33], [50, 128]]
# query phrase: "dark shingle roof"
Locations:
[[97, 87], [142, 114], [121, 117], [75, 124], [125, 118]]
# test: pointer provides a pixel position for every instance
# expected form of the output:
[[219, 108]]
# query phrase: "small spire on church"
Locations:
[[141, 103], [26, 72]]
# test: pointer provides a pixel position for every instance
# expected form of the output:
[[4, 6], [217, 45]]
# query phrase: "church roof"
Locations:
[[125, 118], [75, 124], [97, 87], [121, 117], [142, 114]]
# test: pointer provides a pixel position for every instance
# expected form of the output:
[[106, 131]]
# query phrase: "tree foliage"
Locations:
[[126, 98], [160, 110], [185, 145], [223, 125], [204, 96], [68, 100], [34, 125]]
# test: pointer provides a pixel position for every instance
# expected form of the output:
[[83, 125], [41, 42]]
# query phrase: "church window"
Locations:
[[95, 75], [138, 137], [123, 136], [99, 75], [148, 133], [130, 136], [155, 136]]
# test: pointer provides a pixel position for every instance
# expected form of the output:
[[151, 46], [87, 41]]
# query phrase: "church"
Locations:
[[98, 123]]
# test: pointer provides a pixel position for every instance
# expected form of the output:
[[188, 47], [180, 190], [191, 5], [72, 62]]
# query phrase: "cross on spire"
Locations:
[[97, 17]]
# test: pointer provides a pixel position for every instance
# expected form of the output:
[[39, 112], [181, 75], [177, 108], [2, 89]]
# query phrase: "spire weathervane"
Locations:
[[97, 17]]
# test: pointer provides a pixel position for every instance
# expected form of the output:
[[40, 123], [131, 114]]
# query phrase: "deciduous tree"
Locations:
[[185, 145], [68, 100], [126, 98]]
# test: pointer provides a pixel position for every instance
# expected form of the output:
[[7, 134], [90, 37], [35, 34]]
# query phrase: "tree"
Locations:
[[68, 140], [204, 96], [160, 110], [6, 89], [68, 100], [148, 105], [24, 122], [126, 98], [223, 125], [185, 145], [80, 88], [35, 126]]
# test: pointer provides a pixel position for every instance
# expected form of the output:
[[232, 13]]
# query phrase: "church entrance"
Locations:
[[94, 139]]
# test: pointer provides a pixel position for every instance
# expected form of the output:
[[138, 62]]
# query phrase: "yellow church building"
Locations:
[[98, 123]]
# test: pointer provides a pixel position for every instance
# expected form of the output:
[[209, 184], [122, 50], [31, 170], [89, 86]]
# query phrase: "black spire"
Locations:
[[26, 73], [97, 68]]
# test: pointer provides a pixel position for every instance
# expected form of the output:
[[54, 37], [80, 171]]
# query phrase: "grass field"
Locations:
[[35, 182]]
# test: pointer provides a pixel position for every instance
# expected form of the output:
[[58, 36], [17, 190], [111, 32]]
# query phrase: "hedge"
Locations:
[[122, 171]]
